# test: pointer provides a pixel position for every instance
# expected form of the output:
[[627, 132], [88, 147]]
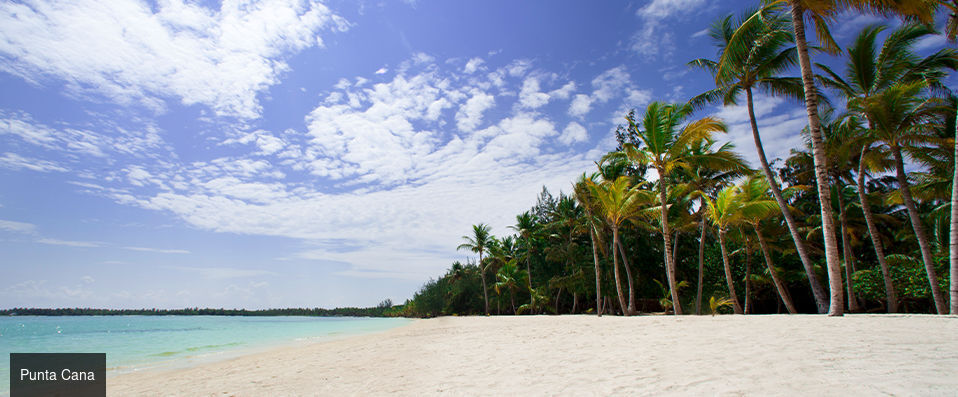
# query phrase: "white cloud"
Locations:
[[530, 97], [573, 133], [779, 123], [610, 83], [381, 71], [469, 115], [655, 38], [134, 52], [157, 250], [473, 65], [16, 162], [563, 92], [580, 105], [667, 8], [69, 243], [17, 227]]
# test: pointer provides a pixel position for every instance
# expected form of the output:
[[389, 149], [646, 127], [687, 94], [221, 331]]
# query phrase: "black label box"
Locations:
[[58, 374]]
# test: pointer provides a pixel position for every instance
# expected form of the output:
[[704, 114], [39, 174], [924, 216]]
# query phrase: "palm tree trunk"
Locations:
[[736, 307], [598, 282], [628, 275], [891, 297], [615, 272], [847, 250], [919, 230], [666, 235], [953, 234], [575, 301], [818, 156], [485, 294], [817, 291], [558, 294], [779, 285], [529, 275], [698, 292], [675, 250], [748, 272]]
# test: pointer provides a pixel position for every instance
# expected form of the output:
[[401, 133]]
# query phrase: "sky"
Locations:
[[287, 153]]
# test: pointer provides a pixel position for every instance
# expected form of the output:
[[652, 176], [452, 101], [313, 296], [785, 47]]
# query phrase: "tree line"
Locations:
[[861, 219], [384, 309]]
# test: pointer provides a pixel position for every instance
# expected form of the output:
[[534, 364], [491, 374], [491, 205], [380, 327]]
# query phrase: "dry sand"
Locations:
[[585, 355]]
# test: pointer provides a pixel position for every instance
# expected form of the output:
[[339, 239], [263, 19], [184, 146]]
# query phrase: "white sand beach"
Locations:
[[585, 355]]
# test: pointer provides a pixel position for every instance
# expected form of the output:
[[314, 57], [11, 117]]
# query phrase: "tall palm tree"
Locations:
[[869, 72], [589, 204], [618, 201], [525, 226], [770, 53], [479, 243], [665, 147], [820, 12], [951, 32], [901, 118]]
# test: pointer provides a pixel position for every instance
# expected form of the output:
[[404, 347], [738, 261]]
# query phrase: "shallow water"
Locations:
[[138, 342]]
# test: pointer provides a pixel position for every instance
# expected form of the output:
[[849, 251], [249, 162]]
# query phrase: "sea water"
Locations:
[[138, 342]]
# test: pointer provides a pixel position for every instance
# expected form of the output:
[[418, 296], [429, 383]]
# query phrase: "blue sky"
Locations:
[[295, 153]]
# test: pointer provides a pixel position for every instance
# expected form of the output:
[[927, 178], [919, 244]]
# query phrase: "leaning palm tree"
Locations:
[[770, 52], [902, 119], [820, 12], [617, 201], [665, 147], [509, 277], [479, 243]]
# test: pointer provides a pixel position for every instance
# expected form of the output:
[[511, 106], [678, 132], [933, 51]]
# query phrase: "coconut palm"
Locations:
[[702, 182], [525, 226], [820, 12], [756, 206], [723, 212], [617, 201], [479, 243], [770, 52], [665, 147], [901, 116], [869, 72], [589, 205], [509, 277]]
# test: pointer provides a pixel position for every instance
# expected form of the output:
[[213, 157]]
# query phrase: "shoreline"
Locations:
[[582, 354]]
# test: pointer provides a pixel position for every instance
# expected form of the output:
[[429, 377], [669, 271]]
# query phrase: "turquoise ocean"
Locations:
[[140, 342]]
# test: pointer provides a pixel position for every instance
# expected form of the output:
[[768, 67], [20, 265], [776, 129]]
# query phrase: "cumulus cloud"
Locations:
[[473, 65], [573, 133], [580, 105], [469, 115], [134, 52], [655, 38]]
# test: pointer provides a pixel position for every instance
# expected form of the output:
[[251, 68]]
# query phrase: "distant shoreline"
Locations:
[[378, 311]]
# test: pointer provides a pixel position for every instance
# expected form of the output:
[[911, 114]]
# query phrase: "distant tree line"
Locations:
[[384, 309]]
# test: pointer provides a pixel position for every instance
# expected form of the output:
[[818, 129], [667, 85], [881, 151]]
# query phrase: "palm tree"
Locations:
[[665, 147], [525, 226], [901, 118], [723, 212], [951, 32], [509, 277], [479, 243], [755, 206], [869, 72], [618, 201], [589, 204], [820, 11], [769, 53], [702, 182]]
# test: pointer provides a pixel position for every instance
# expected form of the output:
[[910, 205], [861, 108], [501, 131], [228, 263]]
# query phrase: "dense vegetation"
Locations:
[[384, 309], [859, 220]]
